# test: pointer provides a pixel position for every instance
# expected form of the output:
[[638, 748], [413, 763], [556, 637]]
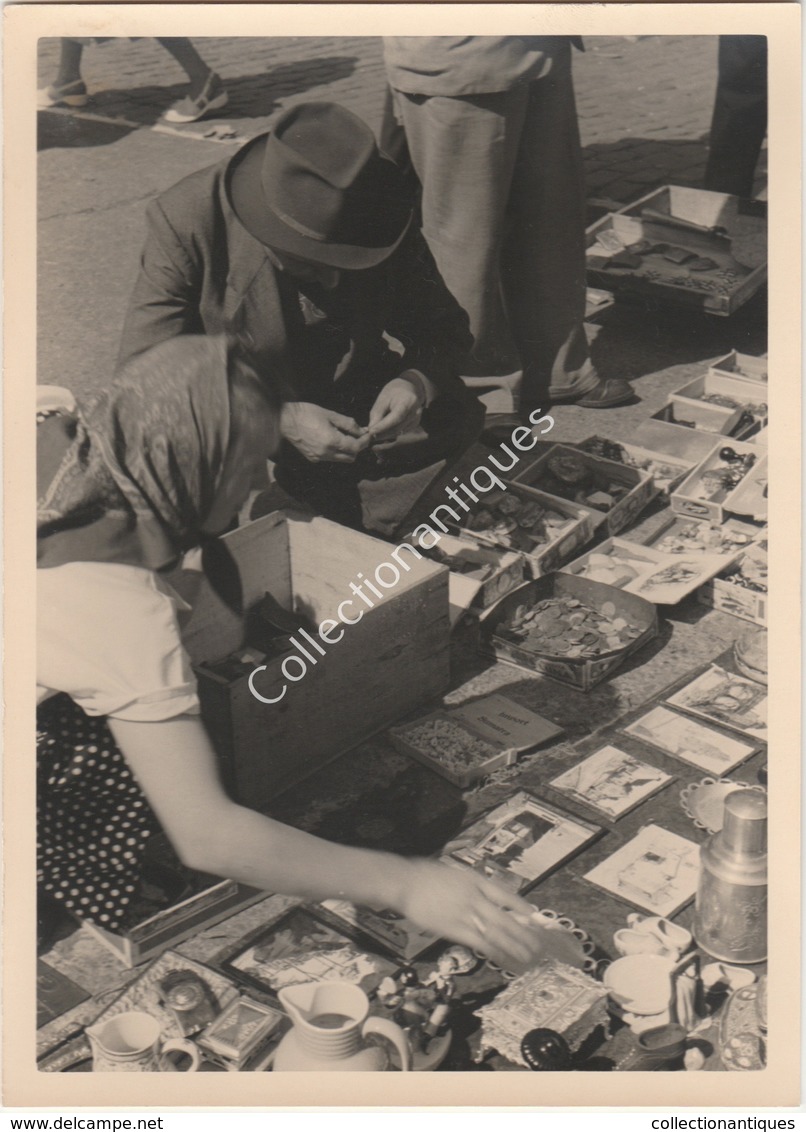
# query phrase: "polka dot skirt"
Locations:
[[93, 820]]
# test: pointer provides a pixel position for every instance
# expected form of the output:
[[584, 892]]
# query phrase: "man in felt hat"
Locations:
[[303, 245]]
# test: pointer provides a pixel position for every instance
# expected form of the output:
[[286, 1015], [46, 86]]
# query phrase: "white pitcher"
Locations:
[[331, 1020]]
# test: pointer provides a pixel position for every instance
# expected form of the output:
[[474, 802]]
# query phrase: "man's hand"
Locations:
[[322, 435], [397, 409]]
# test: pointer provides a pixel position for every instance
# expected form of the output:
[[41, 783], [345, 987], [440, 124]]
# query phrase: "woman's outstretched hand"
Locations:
[[484, 916]]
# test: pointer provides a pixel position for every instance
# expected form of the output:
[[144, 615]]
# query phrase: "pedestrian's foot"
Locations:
[[604, 395], [212, 96], [66, 94]]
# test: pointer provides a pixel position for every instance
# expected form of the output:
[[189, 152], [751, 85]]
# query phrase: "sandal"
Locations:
[[212, 97], [604, 395], [70, 94]]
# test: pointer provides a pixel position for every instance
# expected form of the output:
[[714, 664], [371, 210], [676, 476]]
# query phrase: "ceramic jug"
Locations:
[[130, 1043], [331, 1020]]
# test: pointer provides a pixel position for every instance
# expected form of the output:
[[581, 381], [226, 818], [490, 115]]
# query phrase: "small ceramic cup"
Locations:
[[640, 984]]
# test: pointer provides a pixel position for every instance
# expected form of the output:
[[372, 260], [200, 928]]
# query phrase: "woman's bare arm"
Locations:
[[176, 767]]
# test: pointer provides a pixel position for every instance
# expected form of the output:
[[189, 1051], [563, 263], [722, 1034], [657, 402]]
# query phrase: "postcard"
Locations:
[[298, 948], [520, 841], [611, 781], [689, 741], [657, 871], [393, 931], [726, 698]]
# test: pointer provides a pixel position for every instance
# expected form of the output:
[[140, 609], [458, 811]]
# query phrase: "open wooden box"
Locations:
[[339, 689], [747, 499], [744, 393], [654, 278], [747, 367]]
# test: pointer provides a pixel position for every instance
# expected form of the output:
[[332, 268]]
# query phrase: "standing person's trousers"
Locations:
[[739, 121], [503, 208]]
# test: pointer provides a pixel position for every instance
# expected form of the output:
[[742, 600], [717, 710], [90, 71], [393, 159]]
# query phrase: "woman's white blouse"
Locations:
[[108, 635]]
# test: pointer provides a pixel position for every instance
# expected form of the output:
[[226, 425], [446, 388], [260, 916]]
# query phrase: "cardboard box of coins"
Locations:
[[468, 742], [663, 579], [729, 540], [615, 492], [481, 573], [719, 390], [683, 246], [667, 472], [713, 490], [547, 530], [569, 628], [739, 365], [741, 589]]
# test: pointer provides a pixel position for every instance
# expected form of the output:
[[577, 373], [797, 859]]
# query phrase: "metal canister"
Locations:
[[731, 913]]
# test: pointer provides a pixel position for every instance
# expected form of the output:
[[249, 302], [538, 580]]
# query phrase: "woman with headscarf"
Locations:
[[159, 462]]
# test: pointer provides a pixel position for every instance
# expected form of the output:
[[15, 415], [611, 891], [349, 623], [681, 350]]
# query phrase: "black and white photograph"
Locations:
[[301, 306]]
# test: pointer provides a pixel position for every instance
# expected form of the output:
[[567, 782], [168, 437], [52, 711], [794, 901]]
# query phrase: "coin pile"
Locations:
[[564, 626], [570, 475], [517, 523], [448, 743], [696, 536], [661, 472]]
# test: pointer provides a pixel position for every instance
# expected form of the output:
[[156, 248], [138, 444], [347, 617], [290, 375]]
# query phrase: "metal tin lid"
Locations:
[[745, 827]]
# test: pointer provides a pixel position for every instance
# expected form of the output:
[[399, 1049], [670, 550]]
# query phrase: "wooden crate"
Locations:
[[670, 284], [392, 659]]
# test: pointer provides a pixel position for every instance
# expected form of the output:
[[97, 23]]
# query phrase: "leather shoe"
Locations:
[[605, 395]]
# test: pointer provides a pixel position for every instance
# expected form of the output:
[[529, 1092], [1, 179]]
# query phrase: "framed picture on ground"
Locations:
[[727, 699], [657, 871], [299, 948], [520, 842], [690, 741], [394, 933], [611, 782]]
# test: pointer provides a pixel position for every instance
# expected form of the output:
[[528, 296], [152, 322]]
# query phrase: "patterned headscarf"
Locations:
[[132, 478]]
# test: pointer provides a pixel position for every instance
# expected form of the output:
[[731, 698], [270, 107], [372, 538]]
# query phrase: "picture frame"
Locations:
[[520, 842], [299, 947], [611, 782], [727, 699], [656, 871], [391, 932], [689, 741]]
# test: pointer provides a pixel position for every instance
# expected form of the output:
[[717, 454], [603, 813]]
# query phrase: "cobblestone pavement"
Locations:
[[644, 110]]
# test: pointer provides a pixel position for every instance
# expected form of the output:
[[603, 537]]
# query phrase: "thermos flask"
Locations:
[[730, 921]]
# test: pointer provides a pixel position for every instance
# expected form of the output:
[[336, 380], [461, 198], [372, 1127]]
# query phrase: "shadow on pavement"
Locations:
[[68, 132]]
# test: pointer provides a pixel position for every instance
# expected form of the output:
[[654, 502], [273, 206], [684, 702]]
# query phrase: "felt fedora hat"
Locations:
[[319, 188]]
